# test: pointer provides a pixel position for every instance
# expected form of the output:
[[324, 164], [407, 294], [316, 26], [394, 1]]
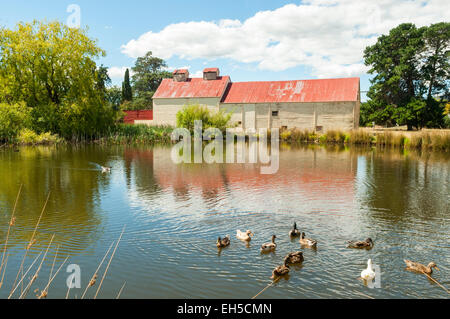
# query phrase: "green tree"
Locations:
[[114, 97], [127, 94], [51, 68], [411, 75], [103, 80], [148, 72], [436, 59], [13, 118]]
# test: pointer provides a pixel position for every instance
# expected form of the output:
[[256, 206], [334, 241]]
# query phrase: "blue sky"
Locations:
[[249, 40]]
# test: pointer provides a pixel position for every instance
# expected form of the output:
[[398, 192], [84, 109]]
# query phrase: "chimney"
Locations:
[[180, 75], [210, 74]]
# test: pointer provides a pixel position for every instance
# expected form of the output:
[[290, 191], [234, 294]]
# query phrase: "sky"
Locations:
[[250, 40]]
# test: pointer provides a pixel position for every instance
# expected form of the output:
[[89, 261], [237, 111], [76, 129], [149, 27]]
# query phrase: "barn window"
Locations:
[[284, 128], [274, 113], [319, 128]]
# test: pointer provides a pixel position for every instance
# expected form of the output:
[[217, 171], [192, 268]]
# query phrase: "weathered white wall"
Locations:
[[329, 115], [165, 110]]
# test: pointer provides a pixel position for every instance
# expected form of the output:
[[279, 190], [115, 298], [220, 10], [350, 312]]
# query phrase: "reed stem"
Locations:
[[109, 263], [94, 276]]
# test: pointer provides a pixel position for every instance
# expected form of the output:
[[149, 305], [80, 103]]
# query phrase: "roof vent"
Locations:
[[210, 74], [180, 75]]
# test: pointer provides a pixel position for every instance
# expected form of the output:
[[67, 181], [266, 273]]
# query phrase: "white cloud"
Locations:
[[116, 72], [326, 36]]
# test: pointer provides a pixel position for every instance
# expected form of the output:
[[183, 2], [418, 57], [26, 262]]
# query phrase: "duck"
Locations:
[[267, 247], [294, 231], [244, 236], [106, 169], [221, 243], [307, 241], [411, 265], [294, 258], [369, 273], [368, 243], [280, 270]]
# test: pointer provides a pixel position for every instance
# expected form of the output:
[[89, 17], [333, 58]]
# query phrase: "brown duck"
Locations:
[[280, 270], [294, 258], [411, 265], [368, 243], [221, 243]]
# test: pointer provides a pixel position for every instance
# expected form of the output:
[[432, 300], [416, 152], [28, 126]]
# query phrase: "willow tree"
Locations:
[[52, 68]]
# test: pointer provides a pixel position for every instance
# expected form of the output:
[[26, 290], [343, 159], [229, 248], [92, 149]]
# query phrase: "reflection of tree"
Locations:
[[138, 162], [74, 186], [401, 185]]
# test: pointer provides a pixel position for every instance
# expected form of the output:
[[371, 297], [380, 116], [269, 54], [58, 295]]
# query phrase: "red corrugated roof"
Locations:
[[329, 90], [192, 88]]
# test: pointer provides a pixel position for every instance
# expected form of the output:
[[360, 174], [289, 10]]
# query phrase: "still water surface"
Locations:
[[174, 213]]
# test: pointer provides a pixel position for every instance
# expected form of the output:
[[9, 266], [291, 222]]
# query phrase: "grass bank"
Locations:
[[438, 140]]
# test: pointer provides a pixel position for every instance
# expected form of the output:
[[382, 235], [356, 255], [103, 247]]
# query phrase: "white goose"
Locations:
[[369, 273]]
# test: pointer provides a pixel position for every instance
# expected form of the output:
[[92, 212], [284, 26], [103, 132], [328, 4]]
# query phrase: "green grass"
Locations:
[[138, 134]]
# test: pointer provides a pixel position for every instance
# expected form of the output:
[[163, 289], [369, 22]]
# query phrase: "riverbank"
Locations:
[[436, 140]]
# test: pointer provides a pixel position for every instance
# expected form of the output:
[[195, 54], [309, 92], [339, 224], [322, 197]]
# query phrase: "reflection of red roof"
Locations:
[[330, 90], [192, 88]]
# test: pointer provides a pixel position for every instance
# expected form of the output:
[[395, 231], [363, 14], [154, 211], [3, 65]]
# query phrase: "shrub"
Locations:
[[191, 113], [13, 119], [29, 137]]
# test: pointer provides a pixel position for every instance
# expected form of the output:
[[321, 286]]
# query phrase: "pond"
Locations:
[[173, 214]]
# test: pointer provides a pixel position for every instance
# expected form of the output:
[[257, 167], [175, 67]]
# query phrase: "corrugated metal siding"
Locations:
[[131, 116], [330, 90], [192, 88]]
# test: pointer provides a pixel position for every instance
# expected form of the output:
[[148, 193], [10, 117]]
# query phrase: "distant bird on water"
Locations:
[[294, 258]]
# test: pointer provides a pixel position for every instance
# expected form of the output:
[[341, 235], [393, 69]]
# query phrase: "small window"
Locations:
[[239, 123], [284, 128], [274, 113], [319, 128]]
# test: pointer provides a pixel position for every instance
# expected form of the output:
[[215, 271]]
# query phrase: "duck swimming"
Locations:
[[244, 236], [221, 243], [280, 270], [267, 247], [411, 265], [294, 258], [308, 242], [106, 169], [368, 274], [294, 231], [368, 243]]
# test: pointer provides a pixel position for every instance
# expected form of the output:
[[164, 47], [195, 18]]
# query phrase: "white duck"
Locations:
[[268, 247], [369, 273], [244, 236]]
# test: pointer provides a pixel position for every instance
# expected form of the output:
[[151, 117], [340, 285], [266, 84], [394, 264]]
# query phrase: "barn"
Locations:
[[318, 105]]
